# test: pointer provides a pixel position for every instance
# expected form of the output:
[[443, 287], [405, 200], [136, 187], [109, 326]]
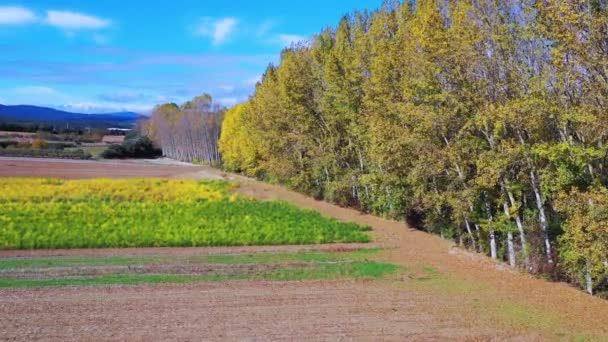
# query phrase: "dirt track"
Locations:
[[479, 300]]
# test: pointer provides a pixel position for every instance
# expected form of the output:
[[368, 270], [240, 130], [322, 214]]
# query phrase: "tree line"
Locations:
[[484, 121], [189, 132]]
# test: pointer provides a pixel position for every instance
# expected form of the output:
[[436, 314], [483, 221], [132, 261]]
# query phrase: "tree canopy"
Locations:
[[483, 121]]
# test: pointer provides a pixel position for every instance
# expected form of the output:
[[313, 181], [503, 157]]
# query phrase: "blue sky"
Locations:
[[110, 55]]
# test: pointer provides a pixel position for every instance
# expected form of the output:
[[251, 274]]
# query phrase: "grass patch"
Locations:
[[352, 270], [528, 316], [492, 306], [43, 214], [429, 278], [320, 257], [94, 151], [228, 259]]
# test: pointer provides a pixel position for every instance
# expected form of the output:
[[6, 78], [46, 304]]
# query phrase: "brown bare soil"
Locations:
[[235, 311], [73, 169], [180, 269], [471, 298]]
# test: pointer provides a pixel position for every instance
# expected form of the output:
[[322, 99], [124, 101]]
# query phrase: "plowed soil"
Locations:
[[470, 298], [85, 169], [234, 311]]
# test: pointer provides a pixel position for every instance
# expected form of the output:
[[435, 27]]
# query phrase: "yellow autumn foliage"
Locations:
[[236, 144]]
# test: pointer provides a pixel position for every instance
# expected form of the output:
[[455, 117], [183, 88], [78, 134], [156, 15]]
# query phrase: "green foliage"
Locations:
[[584, 244], [136, 147], [8, 143], [114, 152], [137, 213]]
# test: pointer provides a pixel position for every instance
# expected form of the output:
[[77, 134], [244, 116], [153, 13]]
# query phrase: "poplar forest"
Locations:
[[483, 121], [189, 132]]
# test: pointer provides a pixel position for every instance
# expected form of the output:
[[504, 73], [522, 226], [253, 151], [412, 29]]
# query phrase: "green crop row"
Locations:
[[352, 270]]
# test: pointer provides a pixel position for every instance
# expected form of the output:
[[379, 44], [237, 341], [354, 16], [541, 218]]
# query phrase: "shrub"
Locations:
[[39, 144], [8, 143], [139, 147], [114, 152]]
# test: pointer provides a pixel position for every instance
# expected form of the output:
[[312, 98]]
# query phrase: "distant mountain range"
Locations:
[[33, 115]]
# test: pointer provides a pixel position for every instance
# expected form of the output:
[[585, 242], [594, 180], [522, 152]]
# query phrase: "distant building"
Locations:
[[119, 129]]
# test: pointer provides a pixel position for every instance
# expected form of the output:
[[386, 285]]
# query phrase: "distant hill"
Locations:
[[33, 115]]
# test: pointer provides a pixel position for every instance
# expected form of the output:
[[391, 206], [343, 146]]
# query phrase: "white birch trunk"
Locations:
[[520, 227], [493, 245], [510, 247], [542, 217], [588, 277], [493, 252], [470, 232]]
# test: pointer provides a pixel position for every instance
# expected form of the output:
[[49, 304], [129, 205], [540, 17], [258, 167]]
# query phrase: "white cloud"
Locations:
[[14, 15], [289, 39], [34, 90], [104, 107], [219, 30], [75, 21]]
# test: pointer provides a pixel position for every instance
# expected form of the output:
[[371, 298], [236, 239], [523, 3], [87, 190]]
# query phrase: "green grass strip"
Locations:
[[354, 270], [228, 259]]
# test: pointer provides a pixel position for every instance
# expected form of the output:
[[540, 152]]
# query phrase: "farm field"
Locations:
[[77, 169], [404, 285], [52, 213]]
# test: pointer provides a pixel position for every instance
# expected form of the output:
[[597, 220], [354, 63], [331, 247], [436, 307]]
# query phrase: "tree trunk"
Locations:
[[493, 245], [542, 217], [493, 252], [510, 247], [519, 223], [511, 250], [588, 278], [470, 233], [478, 233]]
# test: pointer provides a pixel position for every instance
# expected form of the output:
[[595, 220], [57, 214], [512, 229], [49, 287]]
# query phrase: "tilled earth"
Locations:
[[234, 311], [474, 298], [176, 269]]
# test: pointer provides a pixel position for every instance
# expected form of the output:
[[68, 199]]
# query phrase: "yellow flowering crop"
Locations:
[[155, 190]]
